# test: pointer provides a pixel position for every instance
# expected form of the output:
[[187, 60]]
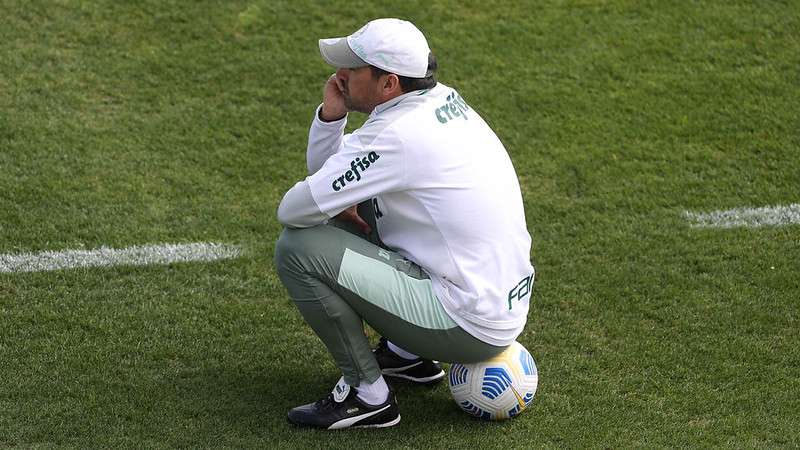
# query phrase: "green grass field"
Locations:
[[147, 122]]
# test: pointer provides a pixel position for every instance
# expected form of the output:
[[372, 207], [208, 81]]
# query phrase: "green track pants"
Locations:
[[339, 278]]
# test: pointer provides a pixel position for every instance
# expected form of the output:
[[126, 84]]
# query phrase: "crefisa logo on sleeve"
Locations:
[[357, 166]]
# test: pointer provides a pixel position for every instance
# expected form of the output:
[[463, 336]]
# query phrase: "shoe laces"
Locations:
[[325, 403]]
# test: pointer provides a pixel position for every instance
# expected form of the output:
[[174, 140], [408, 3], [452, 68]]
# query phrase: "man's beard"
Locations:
[[352, 105]]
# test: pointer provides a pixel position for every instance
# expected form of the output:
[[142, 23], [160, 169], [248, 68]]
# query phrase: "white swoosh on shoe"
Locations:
[[344, 423]]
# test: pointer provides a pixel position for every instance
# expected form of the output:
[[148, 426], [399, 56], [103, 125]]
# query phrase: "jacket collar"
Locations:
[[395, 101]]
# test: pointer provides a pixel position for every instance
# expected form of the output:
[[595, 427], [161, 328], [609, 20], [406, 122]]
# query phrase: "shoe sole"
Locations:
[[419, 380], [391, 423], [381, 425]]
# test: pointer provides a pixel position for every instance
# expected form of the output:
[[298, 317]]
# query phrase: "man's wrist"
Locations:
[[328, 117]]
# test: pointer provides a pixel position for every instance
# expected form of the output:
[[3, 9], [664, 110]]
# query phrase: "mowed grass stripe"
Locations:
[[746, 217], [103, 257]]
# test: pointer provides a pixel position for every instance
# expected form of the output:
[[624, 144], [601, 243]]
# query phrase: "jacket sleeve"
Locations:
[[324, 140], [368, 164], [361, 169], [298, 208]]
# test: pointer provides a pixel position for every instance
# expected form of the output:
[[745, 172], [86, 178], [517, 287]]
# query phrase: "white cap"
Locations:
[[394, 45]]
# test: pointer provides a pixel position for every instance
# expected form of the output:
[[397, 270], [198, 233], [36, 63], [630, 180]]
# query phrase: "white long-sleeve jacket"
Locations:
[[447, 198]]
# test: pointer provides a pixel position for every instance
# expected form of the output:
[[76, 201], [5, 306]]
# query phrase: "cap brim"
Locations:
[[337, 52]]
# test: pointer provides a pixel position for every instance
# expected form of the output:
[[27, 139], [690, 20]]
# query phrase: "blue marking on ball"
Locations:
[[495, 381], [458, 375], [528, 366]]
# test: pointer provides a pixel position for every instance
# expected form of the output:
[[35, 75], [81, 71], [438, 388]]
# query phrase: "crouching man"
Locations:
[[414, 224]]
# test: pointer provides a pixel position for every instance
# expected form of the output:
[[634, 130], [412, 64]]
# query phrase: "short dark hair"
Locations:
[[408, 84]]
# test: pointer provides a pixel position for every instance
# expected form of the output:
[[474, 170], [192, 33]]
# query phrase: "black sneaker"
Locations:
[[422, 371], [343, 409]]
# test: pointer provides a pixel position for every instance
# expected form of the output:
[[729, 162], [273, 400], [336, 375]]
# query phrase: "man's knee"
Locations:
[[287, 247], [295, 245]]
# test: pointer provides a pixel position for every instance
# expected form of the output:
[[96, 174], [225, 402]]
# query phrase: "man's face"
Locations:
[[361, 91]]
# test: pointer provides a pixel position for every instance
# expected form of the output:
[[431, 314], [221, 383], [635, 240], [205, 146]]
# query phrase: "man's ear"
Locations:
[[392, 85]]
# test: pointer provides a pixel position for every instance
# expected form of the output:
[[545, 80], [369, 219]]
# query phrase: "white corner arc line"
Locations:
[[105, 257], [746, 217]]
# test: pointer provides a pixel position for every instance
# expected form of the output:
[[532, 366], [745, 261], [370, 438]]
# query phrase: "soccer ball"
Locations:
[[497, 389]]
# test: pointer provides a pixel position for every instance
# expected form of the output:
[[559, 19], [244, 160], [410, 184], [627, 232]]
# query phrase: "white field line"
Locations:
[[105, 257], [746, 217]]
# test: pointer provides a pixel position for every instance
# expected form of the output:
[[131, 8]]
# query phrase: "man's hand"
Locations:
[[351, 215], [333, 105]]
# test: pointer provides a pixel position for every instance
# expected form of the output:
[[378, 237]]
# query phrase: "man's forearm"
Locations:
[[324, 140]]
